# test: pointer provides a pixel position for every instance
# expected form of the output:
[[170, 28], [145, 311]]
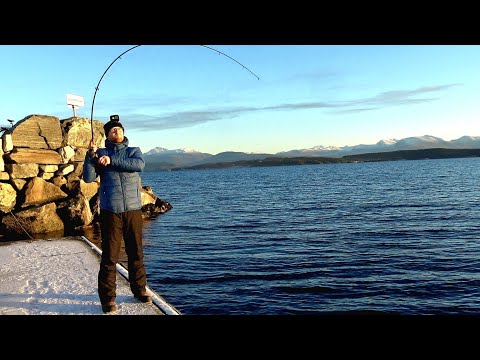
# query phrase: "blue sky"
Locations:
[[189, 96]]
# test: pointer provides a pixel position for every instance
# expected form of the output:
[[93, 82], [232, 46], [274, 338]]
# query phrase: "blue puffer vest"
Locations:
[[120, 181]]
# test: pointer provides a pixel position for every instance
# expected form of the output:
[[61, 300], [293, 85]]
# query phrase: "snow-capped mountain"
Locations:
[[161, 150], [467, 142], [409, 143], [421, 142], [314, 151], [161, 158], [387, 142]]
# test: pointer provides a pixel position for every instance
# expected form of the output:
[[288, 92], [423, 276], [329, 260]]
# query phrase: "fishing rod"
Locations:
[[136, 46]]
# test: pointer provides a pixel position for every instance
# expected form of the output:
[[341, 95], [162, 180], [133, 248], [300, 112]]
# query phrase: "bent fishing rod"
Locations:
[[136, 46]]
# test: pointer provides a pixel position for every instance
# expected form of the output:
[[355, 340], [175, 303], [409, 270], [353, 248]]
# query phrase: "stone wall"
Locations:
[[41, 186]]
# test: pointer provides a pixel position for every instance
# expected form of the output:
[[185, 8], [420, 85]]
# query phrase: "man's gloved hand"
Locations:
[[92, 150]]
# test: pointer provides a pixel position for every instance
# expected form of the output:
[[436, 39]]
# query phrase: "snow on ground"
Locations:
[[57, 276]]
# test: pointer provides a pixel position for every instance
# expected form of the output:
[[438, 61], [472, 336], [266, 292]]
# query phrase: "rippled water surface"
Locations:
[[396, 237]]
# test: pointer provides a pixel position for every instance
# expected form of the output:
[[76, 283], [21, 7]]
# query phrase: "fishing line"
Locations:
[[136, 46], [97, 87], [19, 223]]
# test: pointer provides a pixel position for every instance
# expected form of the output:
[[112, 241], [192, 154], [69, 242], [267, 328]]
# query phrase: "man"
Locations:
[[118, 166]]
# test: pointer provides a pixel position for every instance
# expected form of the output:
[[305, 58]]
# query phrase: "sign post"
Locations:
[[75, 102]]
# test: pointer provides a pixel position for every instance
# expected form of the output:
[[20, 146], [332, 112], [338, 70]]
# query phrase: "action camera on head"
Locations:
[[114, 118]]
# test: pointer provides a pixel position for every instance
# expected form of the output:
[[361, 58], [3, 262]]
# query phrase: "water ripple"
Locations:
[[396, 237]]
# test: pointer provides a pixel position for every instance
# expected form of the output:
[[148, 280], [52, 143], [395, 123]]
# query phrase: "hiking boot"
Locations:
[[143, 297], [109, 307]]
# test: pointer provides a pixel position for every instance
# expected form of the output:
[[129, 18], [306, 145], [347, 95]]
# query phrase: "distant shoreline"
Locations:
[[421, 154]]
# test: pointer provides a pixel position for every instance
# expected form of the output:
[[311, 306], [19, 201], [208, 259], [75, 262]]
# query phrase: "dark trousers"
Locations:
[[115, 227]]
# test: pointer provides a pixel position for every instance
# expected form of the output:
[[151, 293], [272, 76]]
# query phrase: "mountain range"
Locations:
[[164, 159]]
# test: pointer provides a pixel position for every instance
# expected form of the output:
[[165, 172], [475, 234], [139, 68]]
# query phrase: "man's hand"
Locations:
[[104, 160], [92, 149]]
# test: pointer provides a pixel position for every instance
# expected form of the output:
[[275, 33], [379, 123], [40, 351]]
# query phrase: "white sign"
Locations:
[[75, 101]]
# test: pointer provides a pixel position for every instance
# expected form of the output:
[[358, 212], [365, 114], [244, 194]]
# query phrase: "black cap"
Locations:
[[114, 122]]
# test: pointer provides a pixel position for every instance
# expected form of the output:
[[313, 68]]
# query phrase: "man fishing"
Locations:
[[118, 166]]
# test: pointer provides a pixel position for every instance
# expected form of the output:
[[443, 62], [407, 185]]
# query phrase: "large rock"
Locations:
[[37, 131], [39, 191], [88, 189], [39, 220], [38, 156], [64, 169], [147, 196], [78, 186], [75, 212], [152, 205], [48, 168], [22, 171], [7, 144], [78, 132], [66, 153], [8, 197]]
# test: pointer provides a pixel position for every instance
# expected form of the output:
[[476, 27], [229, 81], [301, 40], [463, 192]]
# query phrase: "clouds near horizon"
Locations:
[[182, 119]]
